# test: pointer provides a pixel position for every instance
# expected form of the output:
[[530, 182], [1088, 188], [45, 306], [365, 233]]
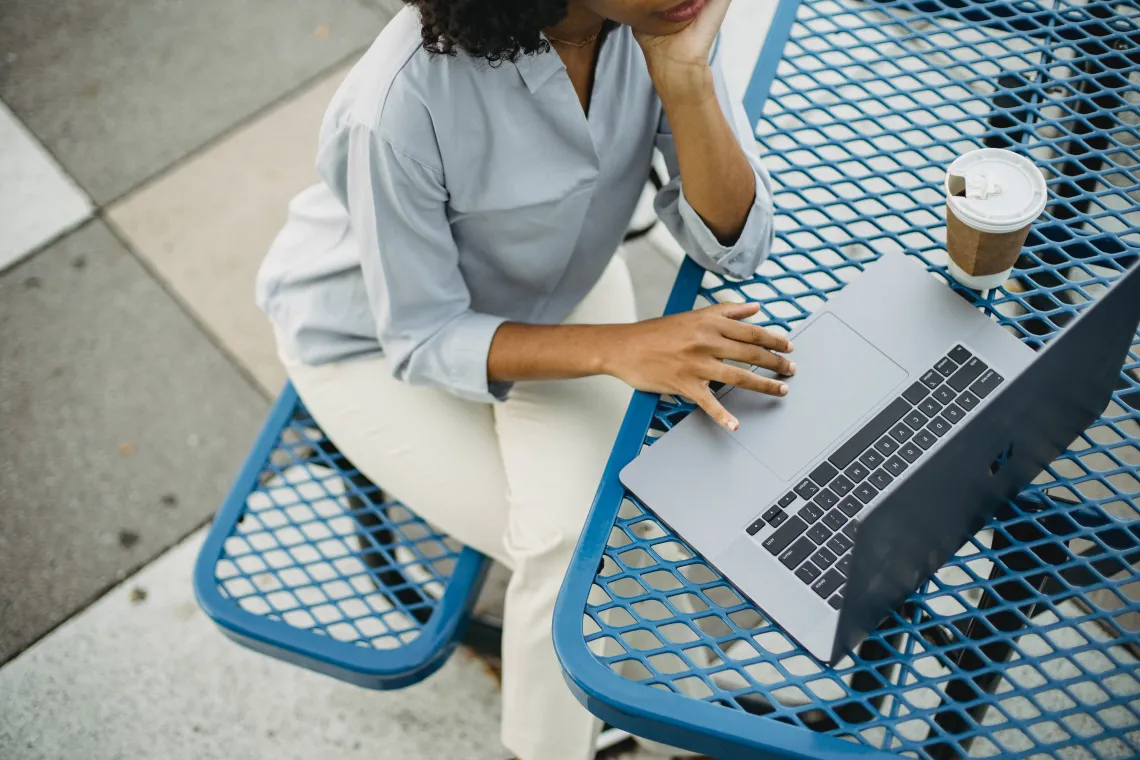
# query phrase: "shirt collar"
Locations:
[[536, 68]]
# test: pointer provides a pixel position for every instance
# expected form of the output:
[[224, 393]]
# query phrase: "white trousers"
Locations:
[[513, 480]]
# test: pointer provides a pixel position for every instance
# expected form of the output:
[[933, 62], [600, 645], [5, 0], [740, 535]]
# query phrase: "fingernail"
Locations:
[[733, 425], [790, 347], [783, 390], [791, 369]]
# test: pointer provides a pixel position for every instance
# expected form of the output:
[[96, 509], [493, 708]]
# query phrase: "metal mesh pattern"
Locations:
[[1024, 645], [317, 547]]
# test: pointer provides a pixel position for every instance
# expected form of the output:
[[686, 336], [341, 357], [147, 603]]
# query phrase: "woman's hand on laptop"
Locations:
[[682, 353]]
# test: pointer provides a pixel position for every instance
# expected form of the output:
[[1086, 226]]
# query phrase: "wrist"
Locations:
[[608, 346], [682, 84]]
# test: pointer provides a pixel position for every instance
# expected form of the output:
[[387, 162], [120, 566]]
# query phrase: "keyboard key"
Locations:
[[841, 543], [886, 446], [806, 489], [910, 452], [986, 384], [836, 601], [869, 433], [784, 535], [960, 354], [930, 406], [916, 419], [850, 531], [901, 432], [895, 466], [844, 564], [925, 439], [931, 380], [871, 459], [788, 499], [826, 498], [823, 474], [842, 486], [835, 519], [823, 558], [778, 518], [756, 526], [915, 393], [807, 573], [944, 394], [857, 472], [881, 479], [819, 533], [865, 492], [772, 512], [797, 553], [850, 506], [946, 366], [826, 585], [810, 512], [953, 413], [967, 374], [967, 400], [939, 426]]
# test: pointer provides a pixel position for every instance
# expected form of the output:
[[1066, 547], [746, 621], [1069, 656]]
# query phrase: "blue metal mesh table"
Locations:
[[1025, 644]]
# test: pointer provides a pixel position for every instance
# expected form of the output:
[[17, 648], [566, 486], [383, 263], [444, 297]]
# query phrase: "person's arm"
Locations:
[[718, 202], [678, 354], [397, 203], [718, 181]]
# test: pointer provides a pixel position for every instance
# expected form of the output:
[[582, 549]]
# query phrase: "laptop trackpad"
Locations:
[[839, 378]]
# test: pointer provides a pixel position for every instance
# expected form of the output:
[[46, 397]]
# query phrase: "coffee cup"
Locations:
[[992, 198]]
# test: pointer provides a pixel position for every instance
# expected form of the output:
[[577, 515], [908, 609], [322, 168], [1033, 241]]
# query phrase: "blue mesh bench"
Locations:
[[1026, 643], [309, 562]]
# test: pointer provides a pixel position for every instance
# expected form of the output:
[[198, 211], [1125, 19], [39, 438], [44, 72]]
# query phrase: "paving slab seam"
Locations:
[[130, 573], [237, 126], [64, 232], [36, 250], [99, 211], [97, 217], [373, 5], [266, 393]]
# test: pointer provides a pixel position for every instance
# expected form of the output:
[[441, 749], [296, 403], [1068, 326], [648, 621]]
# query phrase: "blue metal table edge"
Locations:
[[408, 664], [654, 713], [630, 705], [693, 724]]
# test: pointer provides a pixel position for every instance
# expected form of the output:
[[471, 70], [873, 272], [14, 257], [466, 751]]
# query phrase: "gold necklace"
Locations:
[[581, 44]]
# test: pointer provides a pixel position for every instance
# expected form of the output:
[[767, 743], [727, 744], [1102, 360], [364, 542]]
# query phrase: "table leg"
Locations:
[[994, 608], [868, 679], [373, 532], [873, 679], [483, 634], [1104, 80]]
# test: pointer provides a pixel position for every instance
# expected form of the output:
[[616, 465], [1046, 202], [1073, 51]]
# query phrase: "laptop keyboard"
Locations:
[[811, 529]]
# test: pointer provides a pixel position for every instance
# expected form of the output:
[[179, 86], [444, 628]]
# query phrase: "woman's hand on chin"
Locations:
[[678, 62]]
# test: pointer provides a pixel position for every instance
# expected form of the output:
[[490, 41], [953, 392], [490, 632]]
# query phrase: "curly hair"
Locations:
[[497, 30]]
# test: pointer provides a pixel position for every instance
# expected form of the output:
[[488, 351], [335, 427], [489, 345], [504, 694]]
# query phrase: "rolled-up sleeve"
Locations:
[[754, 243], [425, 325]]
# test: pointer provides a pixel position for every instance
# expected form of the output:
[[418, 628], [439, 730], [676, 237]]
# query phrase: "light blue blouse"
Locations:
[[457, 196]]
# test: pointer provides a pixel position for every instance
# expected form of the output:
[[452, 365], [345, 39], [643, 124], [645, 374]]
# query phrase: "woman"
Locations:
[[447, 301]]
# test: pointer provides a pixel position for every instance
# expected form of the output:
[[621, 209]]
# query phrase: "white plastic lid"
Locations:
[[1003, 191]]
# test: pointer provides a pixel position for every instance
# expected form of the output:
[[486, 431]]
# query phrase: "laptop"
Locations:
[[911, 418]]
